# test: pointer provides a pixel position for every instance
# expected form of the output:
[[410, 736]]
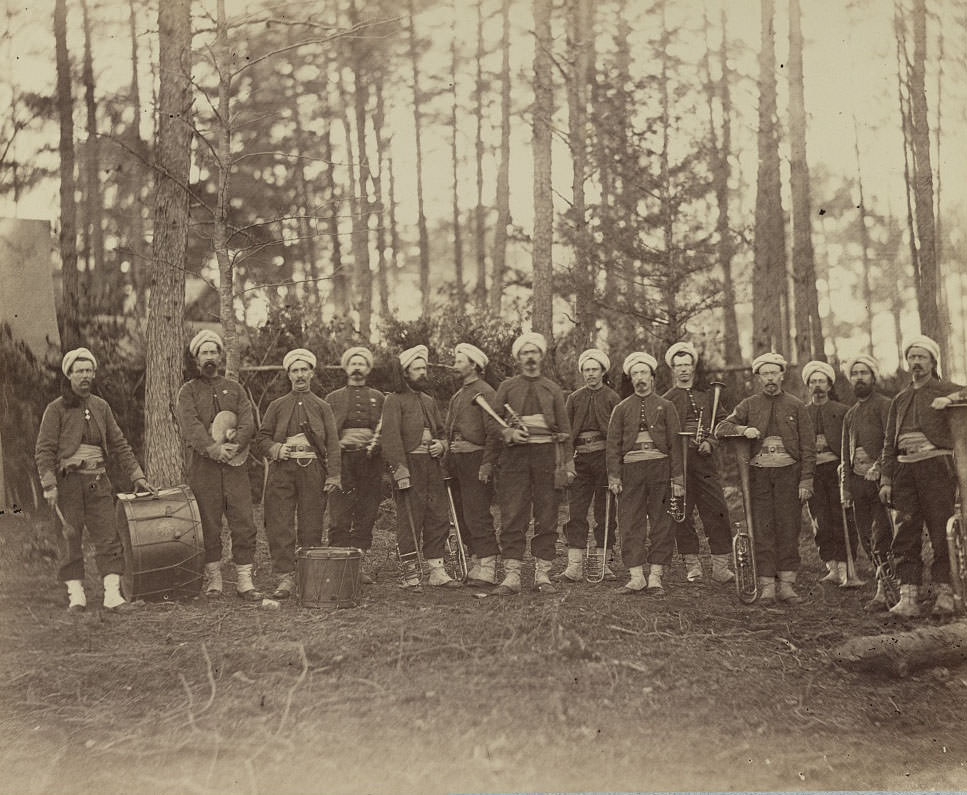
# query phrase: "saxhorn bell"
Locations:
[[743, 543], [957, 524]]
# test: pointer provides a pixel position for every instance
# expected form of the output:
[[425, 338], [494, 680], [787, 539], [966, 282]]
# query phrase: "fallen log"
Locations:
[[900, 653]]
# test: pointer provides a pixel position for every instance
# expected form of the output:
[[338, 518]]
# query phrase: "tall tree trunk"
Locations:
[[223, 153], [382, 156], [928, 283], [669, 284], [340, 286], [503, 171], [580, 37], [166, 306], [418, 131], [71, 295], [906, 125], [136, 170], [809, 333], [394, 229], [769, 262], [725, 247], [460, 294], [480, 213], [543, 293], [354, 209], [307, 230], [364, 276], [864, 238], [94, 195]]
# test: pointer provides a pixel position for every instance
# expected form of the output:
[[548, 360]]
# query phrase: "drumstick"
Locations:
[[66, 527]]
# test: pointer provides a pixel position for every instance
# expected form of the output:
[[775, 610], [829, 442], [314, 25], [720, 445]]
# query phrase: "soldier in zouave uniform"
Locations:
[[589, 410], [536, 464], [298, 437], [918, 476], [220, 488], [644, 470], [469, 462], [863, 428], [704, 487], [77, 433], [780, 474], [357, 409], [825, 506], [413, 445]]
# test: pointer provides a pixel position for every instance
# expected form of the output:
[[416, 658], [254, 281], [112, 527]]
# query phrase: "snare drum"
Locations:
[[164, 550], [328, 576]]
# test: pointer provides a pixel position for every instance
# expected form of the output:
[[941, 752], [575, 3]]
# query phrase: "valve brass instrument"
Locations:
[[886, 574], [409, 562], [853, 579], [957, 524], [676, 505], [596, 565], [458, 556], [481, 401], [743, 543], [516, 421]]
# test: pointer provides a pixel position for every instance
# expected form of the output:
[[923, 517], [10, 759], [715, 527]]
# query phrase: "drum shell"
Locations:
[[328, 576], [164, 549]]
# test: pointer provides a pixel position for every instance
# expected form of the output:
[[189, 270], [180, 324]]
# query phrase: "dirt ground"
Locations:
[[449, 693]]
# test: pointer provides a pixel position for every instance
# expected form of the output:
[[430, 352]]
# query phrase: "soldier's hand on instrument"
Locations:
[[940, 403], [436, 448], [804, 494], [142, 485], [873, 475], [332, 485], [50, 494], [518, 436], [678, 491], [886, 495], [751, 433], [705, 447], [485, 472], [570, 475], [615, 485], [847, 504], [403, 483]]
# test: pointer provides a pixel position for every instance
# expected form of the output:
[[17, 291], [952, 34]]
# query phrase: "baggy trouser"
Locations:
[[704, 491], [425, 503], [826, 509], [353, 511], [295, 507], [525, 485], [223, 490], [646, 533], [923, 493], [777, 515], [590, 485], [473, 505], [873, 524], [87, 502]]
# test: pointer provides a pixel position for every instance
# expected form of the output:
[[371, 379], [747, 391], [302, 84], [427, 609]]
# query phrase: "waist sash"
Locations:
[[644, 449], [772, 454], [915, 446], [299, 447], [89, 459]]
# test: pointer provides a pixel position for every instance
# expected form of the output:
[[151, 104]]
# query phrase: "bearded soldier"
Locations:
[[77, 433], [704, 487], [825, 507], [536, 464], [863, 429], [357, 409], [468, 461], [298, 437], [918, 476], [644, 465], [780, 476], [589, 410], [217, 475], [413, 445]]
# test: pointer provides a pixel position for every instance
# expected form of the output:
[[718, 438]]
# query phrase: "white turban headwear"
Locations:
[[473, 353], [818, 367], [410, 355], [529, 338], [201, 338], [72, 356], [866, 359], [594, 355], [680, 347], [768, 358], [927, 344], [298, 355], [639, 357], [366, 353]]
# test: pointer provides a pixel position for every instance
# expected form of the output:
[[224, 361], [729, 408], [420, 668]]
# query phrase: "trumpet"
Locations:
[[743, 544], [957, 524]]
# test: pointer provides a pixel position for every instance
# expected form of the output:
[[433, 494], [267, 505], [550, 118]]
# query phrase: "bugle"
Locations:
[[743, 543], [458, 556], [957, 524]]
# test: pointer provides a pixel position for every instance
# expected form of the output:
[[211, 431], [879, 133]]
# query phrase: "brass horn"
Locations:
[[481, 401], [458, 556], [957, 524], [676, 505], [596, 565], [743, 544]]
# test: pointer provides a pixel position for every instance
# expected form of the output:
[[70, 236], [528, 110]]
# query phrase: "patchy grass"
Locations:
[[445, 692]]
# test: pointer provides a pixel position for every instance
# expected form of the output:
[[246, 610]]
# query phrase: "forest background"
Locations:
[[619, 173]]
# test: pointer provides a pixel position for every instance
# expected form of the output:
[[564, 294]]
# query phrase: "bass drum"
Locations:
[[164, 550]]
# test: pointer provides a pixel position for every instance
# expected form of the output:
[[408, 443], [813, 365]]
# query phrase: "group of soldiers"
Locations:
[[529, 448]]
